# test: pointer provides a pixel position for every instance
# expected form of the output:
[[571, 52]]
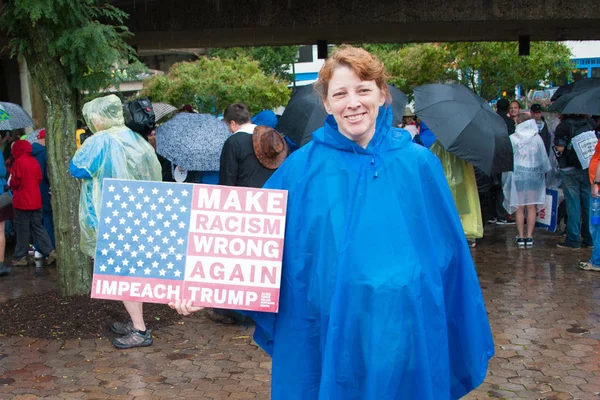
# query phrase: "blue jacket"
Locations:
[[39, 152], [379, 296], [426, 136], [2, 173]]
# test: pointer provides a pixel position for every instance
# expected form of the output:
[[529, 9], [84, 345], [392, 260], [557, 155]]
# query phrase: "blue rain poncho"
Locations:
[[379, 294], [114, 151], [526, 183]]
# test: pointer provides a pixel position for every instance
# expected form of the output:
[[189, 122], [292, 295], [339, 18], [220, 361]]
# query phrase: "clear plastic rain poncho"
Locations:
[[114, 151], [526, 184], [463, 186]]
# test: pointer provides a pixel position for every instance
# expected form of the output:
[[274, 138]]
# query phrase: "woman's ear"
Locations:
[[327, 108]]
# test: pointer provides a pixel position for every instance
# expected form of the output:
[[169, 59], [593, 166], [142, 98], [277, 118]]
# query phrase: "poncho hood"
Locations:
[[21, 147], [526, 130], [103, 113], [385, 138]]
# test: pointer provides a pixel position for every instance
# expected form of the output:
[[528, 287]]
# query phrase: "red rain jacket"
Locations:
[[26, 176]]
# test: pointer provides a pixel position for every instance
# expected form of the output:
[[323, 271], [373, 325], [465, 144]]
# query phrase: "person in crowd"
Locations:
[[463, 186], [575, 181], [6, 213], [536, 112], [514, 109], [425, 137], [594, 172], [248, 158], [409, 118], [39, 153], [502, 107], [366, 309], [239, 164], [113, 151], [525, 186], [25, 179], [497, 212]]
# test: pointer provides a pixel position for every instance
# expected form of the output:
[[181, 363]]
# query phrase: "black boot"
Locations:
[[4, 270]]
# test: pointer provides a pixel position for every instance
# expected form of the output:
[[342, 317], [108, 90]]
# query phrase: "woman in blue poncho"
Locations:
[[379, 295]]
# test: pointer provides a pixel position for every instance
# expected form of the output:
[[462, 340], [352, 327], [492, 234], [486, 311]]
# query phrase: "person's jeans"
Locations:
[[29, 223], [595, 231], [576, 185]]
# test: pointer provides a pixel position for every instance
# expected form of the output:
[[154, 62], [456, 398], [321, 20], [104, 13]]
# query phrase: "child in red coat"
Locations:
[[25, 179]]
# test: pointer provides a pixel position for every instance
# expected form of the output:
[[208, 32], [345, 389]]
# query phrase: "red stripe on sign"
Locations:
[[233, 297], [231, 246], [146, 290], [239, 200]]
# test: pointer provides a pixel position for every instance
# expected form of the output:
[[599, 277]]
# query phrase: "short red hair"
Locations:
[[364, 64]]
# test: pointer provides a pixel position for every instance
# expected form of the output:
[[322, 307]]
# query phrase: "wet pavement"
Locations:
[[544, 313]]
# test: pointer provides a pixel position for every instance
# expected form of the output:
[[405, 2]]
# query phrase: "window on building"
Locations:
[[596, 72], [305, 54]]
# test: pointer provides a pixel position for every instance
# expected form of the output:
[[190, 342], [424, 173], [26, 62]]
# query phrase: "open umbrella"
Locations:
[[305, 113], [13, 117], [33, 136], [465, 125], [192, 141], [161, 110], [579, 102], [582, 84]]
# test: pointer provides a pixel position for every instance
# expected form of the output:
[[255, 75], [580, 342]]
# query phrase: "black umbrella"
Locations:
[[465, 125], [580, 102], [582, 84], [305, 113]]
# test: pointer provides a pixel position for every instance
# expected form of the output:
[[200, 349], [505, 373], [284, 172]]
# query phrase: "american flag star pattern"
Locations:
[[143, 229]]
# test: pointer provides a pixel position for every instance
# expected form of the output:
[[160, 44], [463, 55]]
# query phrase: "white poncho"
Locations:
[[525, 185]]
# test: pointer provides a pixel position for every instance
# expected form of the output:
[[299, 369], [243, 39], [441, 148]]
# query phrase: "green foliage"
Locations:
[[419, 64], [211, 84], [77, 33], [489, 68], [272, 60]]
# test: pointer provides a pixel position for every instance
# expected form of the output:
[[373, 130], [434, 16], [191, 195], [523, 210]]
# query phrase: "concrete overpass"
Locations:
[[171, 24]]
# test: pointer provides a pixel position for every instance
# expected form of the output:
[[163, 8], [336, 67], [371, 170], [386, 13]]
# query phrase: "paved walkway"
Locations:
[[544, 314]]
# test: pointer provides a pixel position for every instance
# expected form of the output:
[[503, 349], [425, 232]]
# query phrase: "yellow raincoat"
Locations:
[[114, 151], [461, 179]]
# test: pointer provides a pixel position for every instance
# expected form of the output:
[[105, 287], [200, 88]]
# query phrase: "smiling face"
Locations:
[[514, 109], [354, 104]]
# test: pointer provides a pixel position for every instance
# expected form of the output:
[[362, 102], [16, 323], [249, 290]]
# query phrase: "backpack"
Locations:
[[139, 116], [576, 126]]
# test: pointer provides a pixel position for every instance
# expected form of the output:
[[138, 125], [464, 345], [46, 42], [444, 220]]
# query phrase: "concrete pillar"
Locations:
[[25, 90]]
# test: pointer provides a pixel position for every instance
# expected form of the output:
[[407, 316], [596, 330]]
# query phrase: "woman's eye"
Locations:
[[338, 94], [364, 90]]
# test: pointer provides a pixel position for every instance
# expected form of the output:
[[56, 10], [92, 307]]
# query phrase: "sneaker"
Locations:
[[133, 339], [31, 249], [37, 255], [505, 222], [4, 270], [587, 246], [20, 262], [588, 266], [51, 258], [492, 220], [529, 242], [122, 328], [471, 242], [520, 242], [564, 245]]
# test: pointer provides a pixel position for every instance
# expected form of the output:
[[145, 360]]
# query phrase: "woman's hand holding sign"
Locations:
[[184, 307]]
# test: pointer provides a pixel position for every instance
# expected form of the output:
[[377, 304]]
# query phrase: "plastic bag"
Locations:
[[463, 186]]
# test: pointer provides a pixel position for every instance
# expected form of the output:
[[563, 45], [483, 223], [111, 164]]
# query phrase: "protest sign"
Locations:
[[219, 246], [584, 145], [548, 212]]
